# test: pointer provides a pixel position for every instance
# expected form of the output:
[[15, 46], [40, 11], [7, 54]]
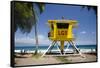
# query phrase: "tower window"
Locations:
[[62, 25]]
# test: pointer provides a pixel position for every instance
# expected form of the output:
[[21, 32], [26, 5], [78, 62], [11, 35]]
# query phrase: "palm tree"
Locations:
[[25, 16], [91, 7]]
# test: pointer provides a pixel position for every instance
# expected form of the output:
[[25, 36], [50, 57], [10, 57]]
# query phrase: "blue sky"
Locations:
[[85, 33]]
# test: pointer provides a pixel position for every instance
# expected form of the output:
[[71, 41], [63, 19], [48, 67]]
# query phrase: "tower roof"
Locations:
[[72, 22]]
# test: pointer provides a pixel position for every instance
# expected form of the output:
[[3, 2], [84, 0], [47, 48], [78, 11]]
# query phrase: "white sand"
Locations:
[[53, 60]]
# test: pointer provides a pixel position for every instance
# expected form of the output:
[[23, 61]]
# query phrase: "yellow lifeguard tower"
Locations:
[[62, 31]]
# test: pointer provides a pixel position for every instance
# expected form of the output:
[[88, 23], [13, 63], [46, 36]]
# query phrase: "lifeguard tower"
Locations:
[[62, 31]]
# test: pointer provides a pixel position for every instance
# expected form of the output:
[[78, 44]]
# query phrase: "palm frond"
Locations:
[[41, 7], [91, 7]]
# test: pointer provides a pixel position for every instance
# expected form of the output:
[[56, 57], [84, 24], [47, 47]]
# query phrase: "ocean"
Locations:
[[42, 48]]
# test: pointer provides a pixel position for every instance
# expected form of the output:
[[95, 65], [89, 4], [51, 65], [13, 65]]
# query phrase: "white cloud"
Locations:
[[83, 32], [24, 40], [42, 40], [45, 40], [93, 32], [41, 37], [88, 42]]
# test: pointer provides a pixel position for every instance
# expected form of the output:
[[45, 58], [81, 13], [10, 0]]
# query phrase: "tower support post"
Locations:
[[74, 46], [62, 47]]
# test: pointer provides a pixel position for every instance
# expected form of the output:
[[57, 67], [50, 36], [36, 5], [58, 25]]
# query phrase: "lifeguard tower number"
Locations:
[[62, 32]]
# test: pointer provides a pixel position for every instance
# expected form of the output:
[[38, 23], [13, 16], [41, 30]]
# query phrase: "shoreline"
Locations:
[[55, 50]]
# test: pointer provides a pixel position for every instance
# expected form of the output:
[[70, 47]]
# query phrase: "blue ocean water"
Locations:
[[21, 46]]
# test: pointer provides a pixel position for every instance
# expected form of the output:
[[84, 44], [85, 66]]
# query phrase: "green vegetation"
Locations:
[[25, 15]]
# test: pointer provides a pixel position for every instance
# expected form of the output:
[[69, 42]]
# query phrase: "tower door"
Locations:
[[62, 30]]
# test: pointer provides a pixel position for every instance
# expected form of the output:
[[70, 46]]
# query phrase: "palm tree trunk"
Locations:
[[36, 39], [35, 29]]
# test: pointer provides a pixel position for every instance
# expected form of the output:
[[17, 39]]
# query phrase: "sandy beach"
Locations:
[[30, 59]]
